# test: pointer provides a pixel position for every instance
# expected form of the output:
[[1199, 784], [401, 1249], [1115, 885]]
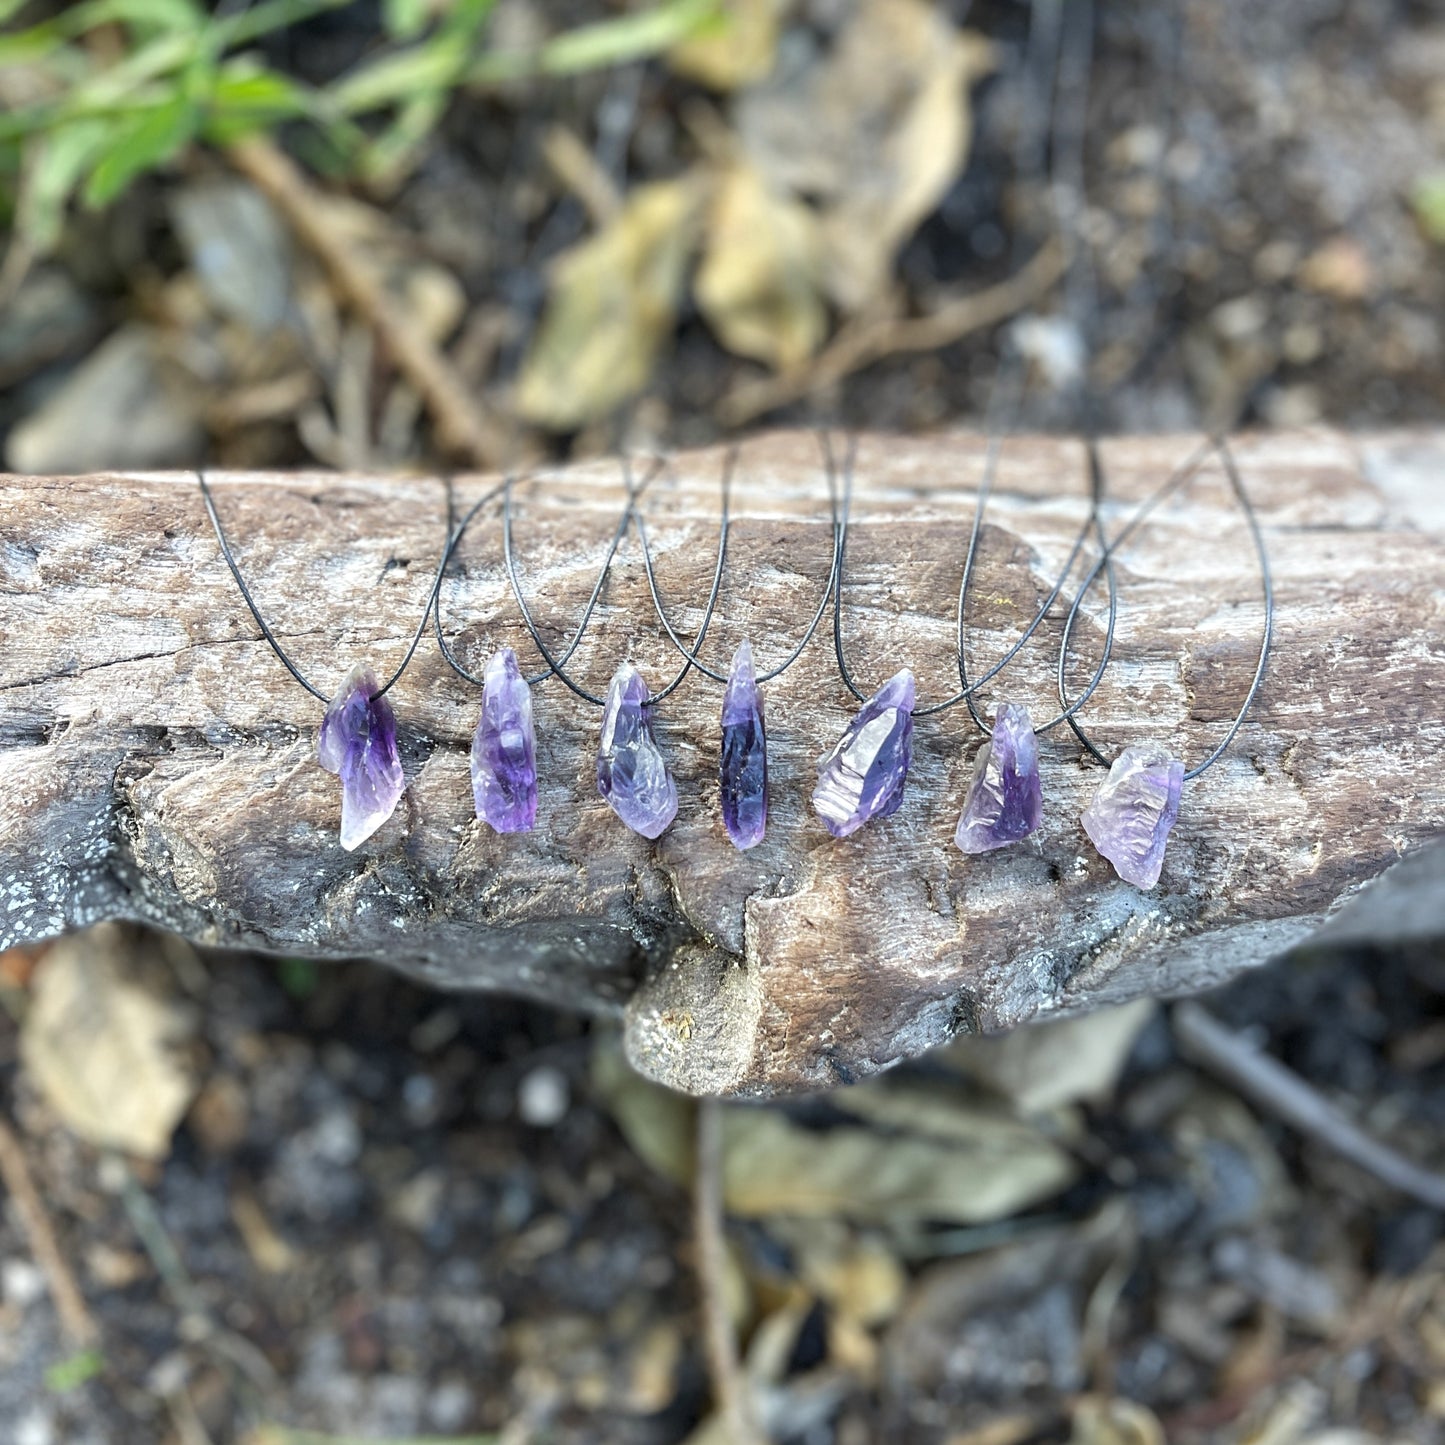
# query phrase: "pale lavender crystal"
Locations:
[[743, 770], [1005, 798], [358, 744], [863, 777], [631, 774], [1133, 811], [504, 748]]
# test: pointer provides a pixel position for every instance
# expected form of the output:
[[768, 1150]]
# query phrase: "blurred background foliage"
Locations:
[[393, 234]]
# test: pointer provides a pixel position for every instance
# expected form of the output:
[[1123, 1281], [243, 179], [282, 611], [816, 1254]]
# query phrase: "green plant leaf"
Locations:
[[71, 1373], [147, 17], [434, 64], [157, 60], [394, 150], [404, 19], [393, 78], [269, 16], [1429, 203], [145, 142], [57, 163], [608, 42], [247, 98], [299, 977]]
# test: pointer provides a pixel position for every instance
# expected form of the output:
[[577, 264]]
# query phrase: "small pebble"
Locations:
[[543, 1097], [21, 1283]]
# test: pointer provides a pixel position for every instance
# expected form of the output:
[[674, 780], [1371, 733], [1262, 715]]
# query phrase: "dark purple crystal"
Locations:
[[743, 770], [1005, 798], [863, 777], [358, 744], [504, 748], [631, 773], [1132, 813]]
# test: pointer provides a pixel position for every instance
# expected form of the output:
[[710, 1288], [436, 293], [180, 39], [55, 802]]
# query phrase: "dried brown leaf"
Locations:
[[877, 130], [924, 1153], [1116, 1421], [614, 300], [1063, 1061], [761, 274], [102, 1045], [737, 50], [954, 1163]]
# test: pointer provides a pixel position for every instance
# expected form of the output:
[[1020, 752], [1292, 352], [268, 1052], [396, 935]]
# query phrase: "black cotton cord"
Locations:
[[726, 523], [1046, 54], [1182, 475], [271, 636], [1092, 523], [840, 552], [509, 557], [557, 665], [503, 488], [967, 689], [689, 658]]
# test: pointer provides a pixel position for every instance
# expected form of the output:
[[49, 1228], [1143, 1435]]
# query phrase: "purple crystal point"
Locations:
[[504, 748], [1133, 811], [1005, 798], [863, 776], [631, 774], [358, 744], [743, 771]]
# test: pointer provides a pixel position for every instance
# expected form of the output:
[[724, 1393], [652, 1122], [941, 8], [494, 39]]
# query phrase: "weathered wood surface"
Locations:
[[156, 762]]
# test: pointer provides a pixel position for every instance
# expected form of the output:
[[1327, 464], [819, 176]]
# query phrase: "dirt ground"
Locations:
[[387, 1214], [390, 1214]]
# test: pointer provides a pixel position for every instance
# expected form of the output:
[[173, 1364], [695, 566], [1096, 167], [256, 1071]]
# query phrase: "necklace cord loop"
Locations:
[[729, 467], [968, 689], [557, 665], [1181, 475], [270, 636]]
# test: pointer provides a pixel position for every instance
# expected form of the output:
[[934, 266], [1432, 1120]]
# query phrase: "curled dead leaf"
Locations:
[[877, 130], [1062, 1061], [760, 278], [1114, 1421], [102, 1045], [919, 1153], [614, 300], [736, 49]]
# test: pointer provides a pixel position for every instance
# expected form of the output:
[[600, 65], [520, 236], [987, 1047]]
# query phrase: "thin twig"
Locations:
[[461, 426], [731, 1394], [578, 170], [1233, 1058], [871, 340], [75, 1317]]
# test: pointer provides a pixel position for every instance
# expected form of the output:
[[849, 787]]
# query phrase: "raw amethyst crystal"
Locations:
[[743, 770], [358, 744], [1133, 811], [1005, 798], [504, 748], [863, 776], [631, 774]]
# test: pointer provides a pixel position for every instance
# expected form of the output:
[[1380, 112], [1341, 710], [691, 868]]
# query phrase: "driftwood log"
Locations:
[[156, 762]]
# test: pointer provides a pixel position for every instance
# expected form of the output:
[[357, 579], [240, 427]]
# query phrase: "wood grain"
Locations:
[[156, 762]]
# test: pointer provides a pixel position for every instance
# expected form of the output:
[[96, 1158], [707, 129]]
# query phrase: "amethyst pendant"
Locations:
[[504, 749], [1005, 798], [631, 774], [863, 777], [358, 744], [743, 770], [1131, 814]]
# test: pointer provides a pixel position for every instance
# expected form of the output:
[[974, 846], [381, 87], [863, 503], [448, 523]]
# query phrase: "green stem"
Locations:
[[609, 42]]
